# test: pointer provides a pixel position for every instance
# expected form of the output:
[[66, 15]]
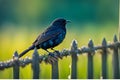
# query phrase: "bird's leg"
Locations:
[[58, 53], [46, 50], [51, 54], [55, 50]]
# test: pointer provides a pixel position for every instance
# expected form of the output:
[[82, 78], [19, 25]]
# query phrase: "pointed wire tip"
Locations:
[[15, 54], [74, 45], [104, 42], [90, 44], [74, 42], [115, 38]]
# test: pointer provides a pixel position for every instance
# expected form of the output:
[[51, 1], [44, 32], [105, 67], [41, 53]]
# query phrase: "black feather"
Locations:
[[51, 37]]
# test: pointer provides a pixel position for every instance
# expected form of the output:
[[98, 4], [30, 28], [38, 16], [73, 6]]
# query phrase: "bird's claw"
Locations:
[[51, 58], [58, 54], [51, 54]]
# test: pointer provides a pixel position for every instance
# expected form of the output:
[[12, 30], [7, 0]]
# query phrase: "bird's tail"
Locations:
[[25, 51]]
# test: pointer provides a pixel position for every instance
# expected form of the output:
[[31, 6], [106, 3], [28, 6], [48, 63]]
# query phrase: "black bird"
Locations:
[[51, 37]]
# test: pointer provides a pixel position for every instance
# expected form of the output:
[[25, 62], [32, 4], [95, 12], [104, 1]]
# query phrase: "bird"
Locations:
[[50, 37]]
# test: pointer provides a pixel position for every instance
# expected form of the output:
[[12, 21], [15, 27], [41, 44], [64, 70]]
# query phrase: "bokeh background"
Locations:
[[22, 20]]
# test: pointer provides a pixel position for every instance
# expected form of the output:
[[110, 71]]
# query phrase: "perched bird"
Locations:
[[51, 37]]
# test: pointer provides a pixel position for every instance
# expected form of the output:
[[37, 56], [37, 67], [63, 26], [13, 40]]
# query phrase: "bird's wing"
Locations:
[[48, 34]]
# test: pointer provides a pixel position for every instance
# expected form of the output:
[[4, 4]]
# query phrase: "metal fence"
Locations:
[[74, 52]]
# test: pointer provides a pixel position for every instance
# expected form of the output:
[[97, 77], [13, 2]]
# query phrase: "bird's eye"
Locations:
[[64, 21]]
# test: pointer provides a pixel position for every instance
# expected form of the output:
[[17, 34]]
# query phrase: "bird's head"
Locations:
[[60, 22]]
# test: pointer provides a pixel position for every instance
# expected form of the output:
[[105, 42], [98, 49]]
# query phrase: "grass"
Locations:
[[13, 39]]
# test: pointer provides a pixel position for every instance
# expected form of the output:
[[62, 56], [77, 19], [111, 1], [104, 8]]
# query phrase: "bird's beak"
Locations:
[[68, 21]]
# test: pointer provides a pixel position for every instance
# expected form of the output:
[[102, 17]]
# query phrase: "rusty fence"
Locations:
[[74, 52]]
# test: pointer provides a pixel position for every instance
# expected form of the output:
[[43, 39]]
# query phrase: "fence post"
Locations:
[[90, 60], [104, 59], [35, 64], [16, 66], [55, 71], [74, 47], [115, 61]]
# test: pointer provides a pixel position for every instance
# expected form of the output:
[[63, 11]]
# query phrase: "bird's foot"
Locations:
[[56, 51], [58, 54], [51, 54], [51, 58]]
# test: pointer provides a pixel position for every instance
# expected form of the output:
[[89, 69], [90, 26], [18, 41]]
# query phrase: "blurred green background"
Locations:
[[21, 21]]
